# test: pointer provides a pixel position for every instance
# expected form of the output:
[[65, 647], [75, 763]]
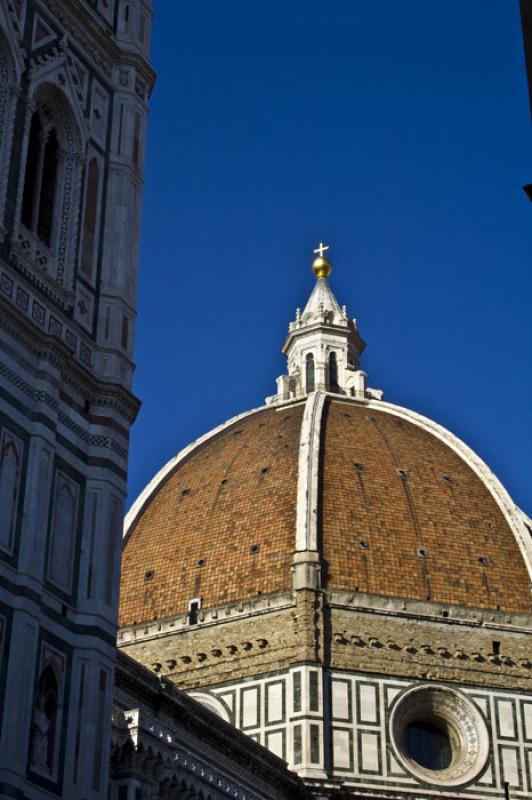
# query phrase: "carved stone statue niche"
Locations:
[[44, 729]]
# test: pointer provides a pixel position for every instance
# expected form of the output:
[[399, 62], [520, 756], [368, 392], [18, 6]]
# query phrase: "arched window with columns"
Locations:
[[40, 182], [50, 190], [9, 82]]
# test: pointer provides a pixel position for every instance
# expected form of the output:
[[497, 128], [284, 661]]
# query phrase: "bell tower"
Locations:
[[75, 80]]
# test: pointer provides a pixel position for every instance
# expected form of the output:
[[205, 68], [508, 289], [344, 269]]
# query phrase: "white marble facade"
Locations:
[[74, 86], [337, 725]]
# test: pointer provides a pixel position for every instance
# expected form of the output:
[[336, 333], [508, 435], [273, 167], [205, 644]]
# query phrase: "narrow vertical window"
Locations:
[[10, 474], [90, 220], [125, 332], [313, 691], [296, 692], [48, 189], [333, 373], [32, 164], [193, 609], [315, 744], [309, 376], [298, 744], [136, 140]]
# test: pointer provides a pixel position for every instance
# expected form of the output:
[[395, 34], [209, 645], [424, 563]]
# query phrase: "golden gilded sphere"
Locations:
[[322, 267]]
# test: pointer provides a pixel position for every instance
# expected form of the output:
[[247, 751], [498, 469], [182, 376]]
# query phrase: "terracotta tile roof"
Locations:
[[221, 527], [403, 515]]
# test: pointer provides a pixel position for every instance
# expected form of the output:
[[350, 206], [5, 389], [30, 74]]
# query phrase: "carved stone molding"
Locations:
[[457, 718]]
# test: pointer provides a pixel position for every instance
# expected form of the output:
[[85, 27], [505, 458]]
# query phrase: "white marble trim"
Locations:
[[308, 474]]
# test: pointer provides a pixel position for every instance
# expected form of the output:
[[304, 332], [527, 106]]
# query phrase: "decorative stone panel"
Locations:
[[351, 723]]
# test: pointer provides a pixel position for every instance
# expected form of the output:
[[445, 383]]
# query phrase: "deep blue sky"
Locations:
[[398, 132]]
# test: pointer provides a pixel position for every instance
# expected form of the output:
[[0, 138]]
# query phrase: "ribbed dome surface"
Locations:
[[403, 515], [400, 514], [221, 527]]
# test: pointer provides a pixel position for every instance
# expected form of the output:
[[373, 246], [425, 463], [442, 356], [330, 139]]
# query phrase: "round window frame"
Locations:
[[463, 723]]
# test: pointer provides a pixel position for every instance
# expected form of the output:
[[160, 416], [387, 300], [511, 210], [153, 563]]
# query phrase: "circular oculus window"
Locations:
[[439, 735]]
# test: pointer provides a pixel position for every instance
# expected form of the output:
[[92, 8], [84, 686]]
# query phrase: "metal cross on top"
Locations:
[[321, 249]]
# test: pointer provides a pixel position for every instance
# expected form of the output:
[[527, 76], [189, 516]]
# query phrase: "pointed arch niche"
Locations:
[[49, 193], [64, 532], [11, 451], [47, 720]]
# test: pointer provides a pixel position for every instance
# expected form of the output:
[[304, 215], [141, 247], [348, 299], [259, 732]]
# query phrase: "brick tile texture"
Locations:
[[233, 495], [404, 516], [401, 515]]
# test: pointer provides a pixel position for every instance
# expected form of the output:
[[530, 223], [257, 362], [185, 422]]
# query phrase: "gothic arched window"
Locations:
[[333, 373], [49, 199], [40, 181], [309, 373]]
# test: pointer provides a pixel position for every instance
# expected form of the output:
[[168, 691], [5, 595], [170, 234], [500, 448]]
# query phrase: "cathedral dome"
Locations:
[[393, 504], [326, 487]]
